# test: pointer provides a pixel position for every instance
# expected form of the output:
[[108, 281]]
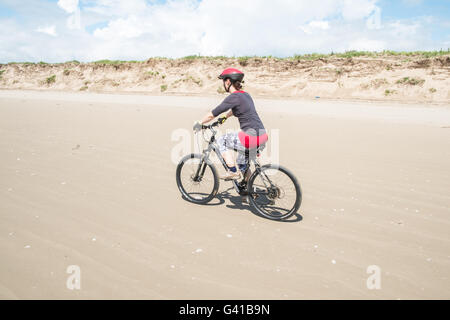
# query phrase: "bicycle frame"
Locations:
[[212, 146]]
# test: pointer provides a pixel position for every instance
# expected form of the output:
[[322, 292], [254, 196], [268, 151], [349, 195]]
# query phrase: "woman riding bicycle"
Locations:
[[252, 134]]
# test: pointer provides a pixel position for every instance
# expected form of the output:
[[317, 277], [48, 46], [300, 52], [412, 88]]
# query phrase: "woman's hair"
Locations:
[[237, 85]]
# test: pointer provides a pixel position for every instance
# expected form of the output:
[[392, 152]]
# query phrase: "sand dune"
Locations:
[[87, 180], [412, 78]]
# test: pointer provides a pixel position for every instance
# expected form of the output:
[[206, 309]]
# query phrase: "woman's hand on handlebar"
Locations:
[[197, 126], [207, 118], [222, 120]]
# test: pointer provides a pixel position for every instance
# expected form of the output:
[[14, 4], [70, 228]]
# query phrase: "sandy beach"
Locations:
[[87, 179]]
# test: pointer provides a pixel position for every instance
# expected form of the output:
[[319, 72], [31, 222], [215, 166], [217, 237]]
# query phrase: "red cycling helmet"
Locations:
[[233, 74]]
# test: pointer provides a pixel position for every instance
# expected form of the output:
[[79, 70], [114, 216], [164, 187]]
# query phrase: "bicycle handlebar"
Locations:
[[212, 125]]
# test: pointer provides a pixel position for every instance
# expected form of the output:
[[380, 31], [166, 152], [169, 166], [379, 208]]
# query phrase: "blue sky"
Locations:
[[86, 30]]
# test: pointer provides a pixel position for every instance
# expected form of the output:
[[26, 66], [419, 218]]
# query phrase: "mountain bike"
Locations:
[[271, 189]]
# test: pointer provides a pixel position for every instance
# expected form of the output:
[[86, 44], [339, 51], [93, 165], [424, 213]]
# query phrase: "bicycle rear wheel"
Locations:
[[197, 179], [274, 192]]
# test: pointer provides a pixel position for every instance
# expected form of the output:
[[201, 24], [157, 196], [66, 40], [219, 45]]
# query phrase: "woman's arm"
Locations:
[[229, 114], [207, 118]]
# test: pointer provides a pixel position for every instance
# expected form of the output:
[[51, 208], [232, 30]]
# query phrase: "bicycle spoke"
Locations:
[[197, 190], [274, 193]]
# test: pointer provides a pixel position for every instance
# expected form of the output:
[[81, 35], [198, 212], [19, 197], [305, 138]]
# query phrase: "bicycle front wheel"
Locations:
[[274, 192], [197, 179]]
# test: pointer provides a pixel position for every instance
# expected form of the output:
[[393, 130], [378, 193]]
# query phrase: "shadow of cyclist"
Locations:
[[236, 203]]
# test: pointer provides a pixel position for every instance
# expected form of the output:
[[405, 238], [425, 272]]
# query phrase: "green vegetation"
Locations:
[[152, 73], [73, 61], [312, 56], [353, 54], [163, 87], [187, 79], [389, 92], [379, 82], [84, 88], [376, 83], [197, 56], [433, 90], [411, 81], [196, 81], [425, 54], [26, 63], [348, 54], [193, 57], [115, 61], [1, 73], [244, 60], [66, 72], [51, 80]]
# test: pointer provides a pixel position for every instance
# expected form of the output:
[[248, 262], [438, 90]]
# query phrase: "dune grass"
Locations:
[[51, 80], [388, 92], [370, 54], [115, 61], [73, 61], [244, 60], [411, 81]]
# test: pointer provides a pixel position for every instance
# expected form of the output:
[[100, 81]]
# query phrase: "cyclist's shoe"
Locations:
[[229, 176], [245, 200]]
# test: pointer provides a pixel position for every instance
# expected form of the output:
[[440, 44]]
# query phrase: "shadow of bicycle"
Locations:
[[237, 204]]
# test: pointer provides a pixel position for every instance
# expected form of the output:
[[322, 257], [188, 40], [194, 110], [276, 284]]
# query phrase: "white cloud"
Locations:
[[401, 29], [138, 29], [70, 6], [367, 45], [315, 25], [357, 9], [213, 27], [131, 27], [50, 30], [73, 22], [374, 20]]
